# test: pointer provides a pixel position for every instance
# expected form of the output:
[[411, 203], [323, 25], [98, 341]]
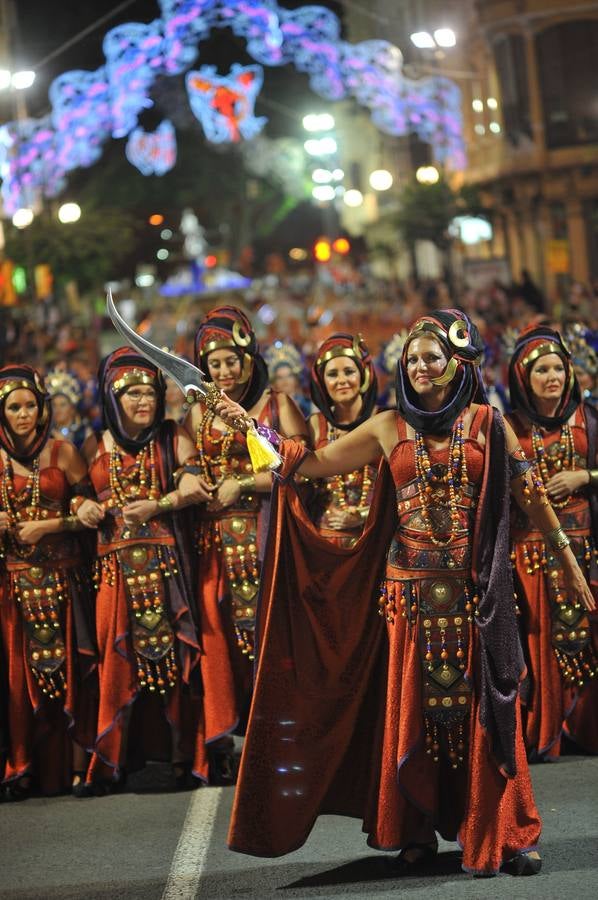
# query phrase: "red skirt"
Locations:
[[41, 730], [158, 726], [492, 817]]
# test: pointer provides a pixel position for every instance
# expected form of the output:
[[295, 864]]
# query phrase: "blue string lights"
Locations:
[[88, 108]]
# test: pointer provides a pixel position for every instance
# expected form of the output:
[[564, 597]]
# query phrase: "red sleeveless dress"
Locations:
[[436, 763], [560, 640], [45, 626], [146, 637]]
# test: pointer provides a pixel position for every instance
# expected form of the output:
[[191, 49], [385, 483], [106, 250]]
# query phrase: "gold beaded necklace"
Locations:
[[455, 478], [209, 461], [339, 485], [23, 507], [564, 460], [133, 484]]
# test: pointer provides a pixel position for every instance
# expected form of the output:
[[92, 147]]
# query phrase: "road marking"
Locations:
[[189, 857]]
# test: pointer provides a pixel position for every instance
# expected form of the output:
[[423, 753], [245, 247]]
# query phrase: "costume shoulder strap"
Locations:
[[54, 453], [480, 419], [401, 429]]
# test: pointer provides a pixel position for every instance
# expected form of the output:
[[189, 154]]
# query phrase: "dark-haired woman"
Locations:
[[415, 727], [343, 386], [45, 596], [149, 705], [558, 433], [229, 525]]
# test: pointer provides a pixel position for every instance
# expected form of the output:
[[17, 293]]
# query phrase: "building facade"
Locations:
[[531, 120]]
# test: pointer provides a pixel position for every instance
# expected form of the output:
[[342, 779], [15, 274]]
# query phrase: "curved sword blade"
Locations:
[[185, 374]]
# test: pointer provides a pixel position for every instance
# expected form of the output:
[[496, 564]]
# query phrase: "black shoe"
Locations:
[[81, 789], [184, 779], [522, 864], [15, 791], [425, 854], [223, 768]]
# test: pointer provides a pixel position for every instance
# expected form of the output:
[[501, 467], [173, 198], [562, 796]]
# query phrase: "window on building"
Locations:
[[567, 56], [511, 68]]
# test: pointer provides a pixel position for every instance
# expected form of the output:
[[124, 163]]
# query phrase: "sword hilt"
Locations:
[[214, 396]]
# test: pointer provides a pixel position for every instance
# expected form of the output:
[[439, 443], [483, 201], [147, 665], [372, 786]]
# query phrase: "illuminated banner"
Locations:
[[88, 108]]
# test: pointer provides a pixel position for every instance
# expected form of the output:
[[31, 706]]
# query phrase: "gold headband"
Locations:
[[239, 340], [135, 376], [335, 352], [542, 350], [11, 386]]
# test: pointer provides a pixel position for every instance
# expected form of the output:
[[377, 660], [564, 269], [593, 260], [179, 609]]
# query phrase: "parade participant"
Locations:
[[285, 368], [228, 537], [149, 706], [344, 389], [558, 434], [67, 423], [45, 596], [414, 728]]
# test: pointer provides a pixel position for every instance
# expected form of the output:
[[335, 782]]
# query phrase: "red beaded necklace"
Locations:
[[564, 460], [455, 478]]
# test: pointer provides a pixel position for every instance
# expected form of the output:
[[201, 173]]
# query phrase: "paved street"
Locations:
[[150, 843]]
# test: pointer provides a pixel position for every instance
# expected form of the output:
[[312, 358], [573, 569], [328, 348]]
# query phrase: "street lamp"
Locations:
[[443, 37], [353, 198], [381, 180], [20, 81], [69, 212], [318, 122], [324, 146], [427, 175], [22, 217], [323, 192]]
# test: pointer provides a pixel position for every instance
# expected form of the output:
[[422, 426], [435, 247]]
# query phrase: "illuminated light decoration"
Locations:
[[224, 104], [153, 153], [87, 108], [210, 261], [156, 219], [322, 250], [341, 246]]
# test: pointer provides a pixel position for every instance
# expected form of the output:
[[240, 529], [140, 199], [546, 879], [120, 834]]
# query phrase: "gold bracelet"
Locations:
[[165, 503], [70, 523], [246, 482], [557, 539], [76, 503], [593, 482]]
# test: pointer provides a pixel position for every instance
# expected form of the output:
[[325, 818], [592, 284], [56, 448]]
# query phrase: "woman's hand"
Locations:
[[339, 519], [232, 413], [194, 489], [4, 522], [227, 493], [564, 483], [576, 586], [139, 512], [31, 532], [90, 513]]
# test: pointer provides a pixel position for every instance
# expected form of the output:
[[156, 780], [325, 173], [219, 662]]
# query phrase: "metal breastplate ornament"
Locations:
[[571, 630], [144, 570], [39, 593]]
